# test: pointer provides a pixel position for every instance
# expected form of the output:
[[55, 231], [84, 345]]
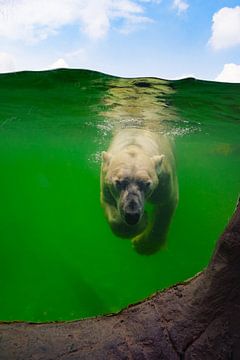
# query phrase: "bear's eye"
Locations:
[[121, 184], [144, 185], [148, 184]]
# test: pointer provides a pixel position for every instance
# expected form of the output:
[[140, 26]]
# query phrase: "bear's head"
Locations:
[[131, 177]]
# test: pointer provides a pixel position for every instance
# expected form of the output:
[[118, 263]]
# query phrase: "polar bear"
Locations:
[[139, 188]]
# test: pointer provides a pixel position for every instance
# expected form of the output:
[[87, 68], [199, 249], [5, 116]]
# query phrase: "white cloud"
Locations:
[[226, 28], [230, 73], [78, 58], [7, 62], [180, 6], [34, 20], [59, 63]]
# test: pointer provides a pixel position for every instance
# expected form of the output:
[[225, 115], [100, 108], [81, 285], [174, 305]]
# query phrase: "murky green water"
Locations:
[[58, 257]]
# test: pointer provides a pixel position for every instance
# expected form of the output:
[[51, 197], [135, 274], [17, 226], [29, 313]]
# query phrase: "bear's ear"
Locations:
[[158, 159], [106, 157]]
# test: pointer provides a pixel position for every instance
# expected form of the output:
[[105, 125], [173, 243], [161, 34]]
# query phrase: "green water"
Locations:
[[58, 257]]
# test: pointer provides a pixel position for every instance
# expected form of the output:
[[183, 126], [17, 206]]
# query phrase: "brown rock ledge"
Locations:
[[198, 319]]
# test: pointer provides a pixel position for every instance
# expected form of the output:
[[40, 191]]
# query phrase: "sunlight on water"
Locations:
[[59, 259]]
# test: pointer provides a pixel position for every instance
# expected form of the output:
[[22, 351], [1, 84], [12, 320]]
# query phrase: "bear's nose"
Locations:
[[132, 206], [132, 218]]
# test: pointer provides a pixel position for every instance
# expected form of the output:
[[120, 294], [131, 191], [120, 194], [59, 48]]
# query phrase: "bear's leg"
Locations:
[[154, 237]]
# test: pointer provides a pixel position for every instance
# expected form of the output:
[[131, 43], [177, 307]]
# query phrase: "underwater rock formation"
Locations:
[[197, 319]]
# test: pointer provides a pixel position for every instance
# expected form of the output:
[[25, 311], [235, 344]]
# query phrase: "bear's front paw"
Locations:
[[144, 245]]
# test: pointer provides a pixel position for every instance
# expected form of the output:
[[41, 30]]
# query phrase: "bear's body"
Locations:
[[139, 169]]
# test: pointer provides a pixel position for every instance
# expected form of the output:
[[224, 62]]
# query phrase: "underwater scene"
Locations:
[[59, 259]]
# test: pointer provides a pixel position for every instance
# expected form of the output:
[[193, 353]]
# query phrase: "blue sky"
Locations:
[[165, 38]]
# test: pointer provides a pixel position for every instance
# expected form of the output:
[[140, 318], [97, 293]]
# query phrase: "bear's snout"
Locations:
[[132, 205], [132, 212]]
